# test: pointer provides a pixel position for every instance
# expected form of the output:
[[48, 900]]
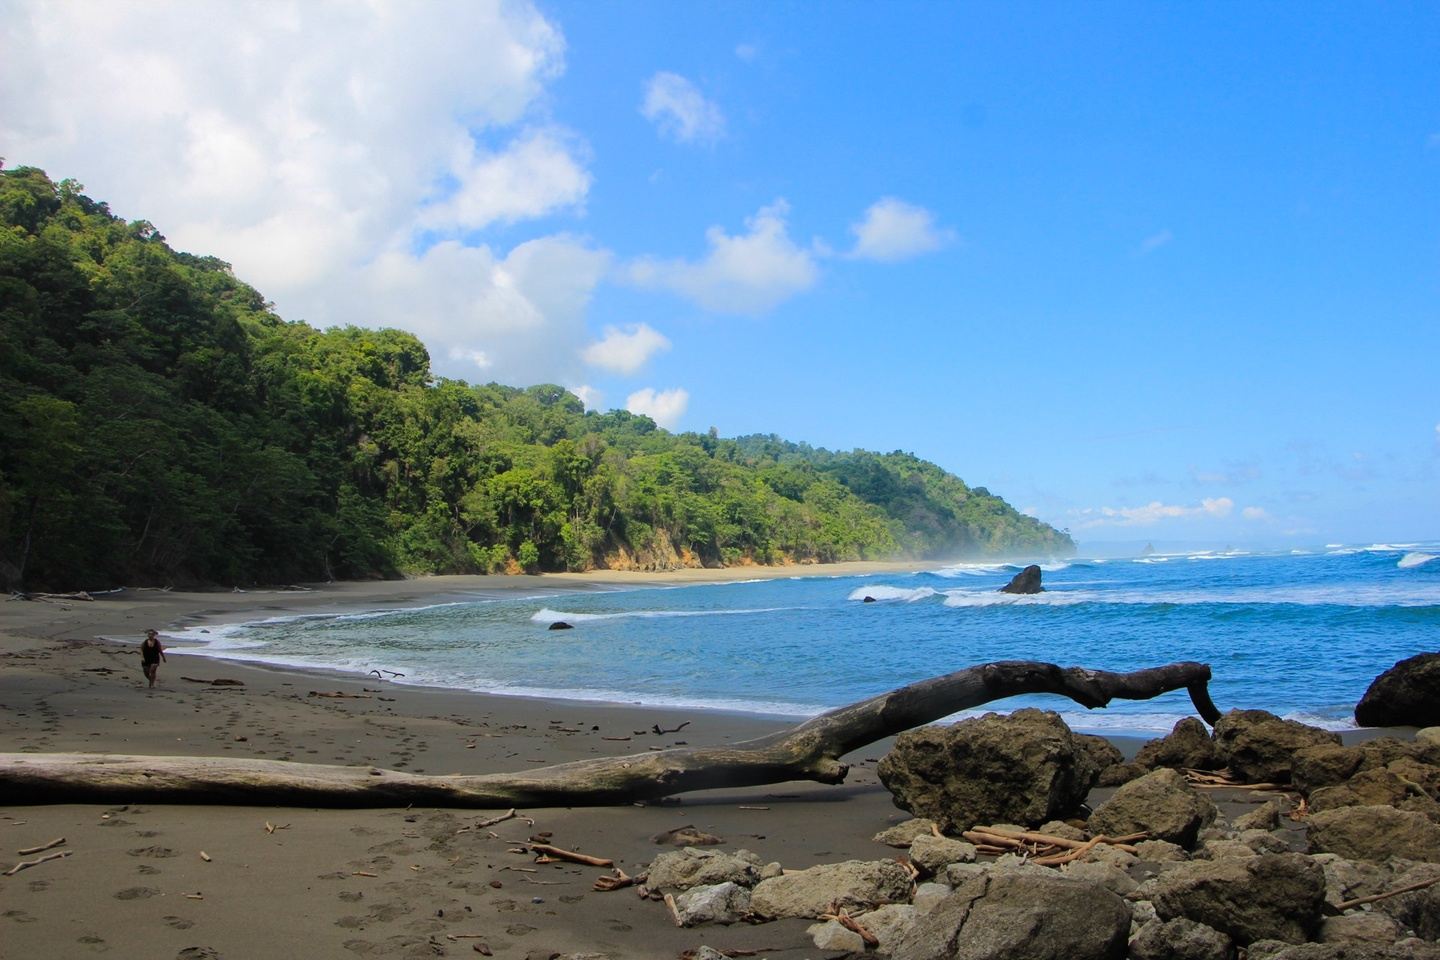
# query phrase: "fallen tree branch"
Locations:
[[1408, 888], [810, 751], [26, 864], [42, 848]]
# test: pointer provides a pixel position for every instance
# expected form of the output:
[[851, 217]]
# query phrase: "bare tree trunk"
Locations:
[[810, 751]]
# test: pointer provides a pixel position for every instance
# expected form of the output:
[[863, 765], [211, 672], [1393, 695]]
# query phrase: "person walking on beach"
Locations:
[[151, 653]]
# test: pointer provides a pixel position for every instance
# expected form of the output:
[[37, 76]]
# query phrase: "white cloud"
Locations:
[[749, 273], [308, 143], [1254, 513], [1153, 512], [895, 230], [517, 318], [535, 175], [1155, 241], [625, 351], [680, 111], [747, 51], [665, 407]]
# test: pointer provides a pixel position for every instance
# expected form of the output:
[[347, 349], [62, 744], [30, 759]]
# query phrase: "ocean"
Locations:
[[1301, 633]]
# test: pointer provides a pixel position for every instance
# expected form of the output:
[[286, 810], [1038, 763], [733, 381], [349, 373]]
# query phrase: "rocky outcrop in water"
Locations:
[[1406, 695], [1026, 581]]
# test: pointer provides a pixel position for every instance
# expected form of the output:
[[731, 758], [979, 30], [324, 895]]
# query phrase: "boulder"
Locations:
[[1120, 773], [1374, 833], [560, 625], [852, 885], [1324, 765], [1180, 939], [1419, 909], [1404, 784], [721, 903], [1260, 747], [1033, 915], [1359, 928], [1161, 804], [1406, 695], [677, 870], [1188, 745], [1026, 768], [1109, 876], [1350, 879], [928, 896], [1265, 816], [1428, 735], [903, 834], [1404, 950], [1026, 581], [1273, 896], [1104, 753], [932, 854]]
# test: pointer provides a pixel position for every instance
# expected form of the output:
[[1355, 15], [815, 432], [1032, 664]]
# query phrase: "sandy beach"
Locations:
[[348, 883], [191, 881]]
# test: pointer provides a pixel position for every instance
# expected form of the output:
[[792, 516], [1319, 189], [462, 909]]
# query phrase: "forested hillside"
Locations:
[[160, 424]]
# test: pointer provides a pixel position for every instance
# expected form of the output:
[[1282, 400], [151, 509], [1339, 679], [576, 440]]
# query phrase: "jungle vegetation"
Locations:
[[160, 424]]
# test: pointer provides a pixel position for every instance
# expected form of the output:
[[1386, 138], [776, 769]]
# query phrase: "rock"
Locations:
[[1225, 849], [1021, 916], [560, 625], [1428, 735], [931, 853], [1259, 747], [1161, 804], [1026, 581], [1263, 841], [709, 953], [1161, 851], [1374, 833], [721, 903], [1324, 765], [1359, 928], [1350, 879], [677, 870], [1187, 745], [1403, 784], [1026, 767], [928, 896], [851, 885], [1404, 950], [1180, 939], [1102, 752], [1406, 695], [1109, 876], [1120, 773], [1059, 828], [890, 922], [903, 834], [831, 935], [1273, 896], [958, 873], [1264, 817], [1420, 909]]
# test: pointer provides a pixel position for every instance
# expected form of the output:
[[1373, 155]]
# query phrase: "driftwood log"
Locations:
[[810, 751]]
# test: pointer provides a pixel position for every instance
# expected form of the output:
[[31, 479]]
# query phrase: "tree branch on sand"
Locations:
[[810, 751]]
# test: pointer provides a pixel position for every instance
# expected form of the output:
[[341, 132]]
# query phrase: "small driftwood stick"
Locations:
[[810, 751], [494, 820], [42, 848], [620, 880], [545, 850], [26, 864], [1409, 888], [674, 911], [850, 923]]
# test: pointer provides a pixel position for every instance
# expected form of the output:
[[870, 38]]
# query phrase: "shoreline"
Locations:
[[367, 882]]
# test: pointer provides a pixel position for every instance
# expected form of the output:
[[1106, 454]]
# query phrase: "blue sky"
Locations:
[[1150, 271]]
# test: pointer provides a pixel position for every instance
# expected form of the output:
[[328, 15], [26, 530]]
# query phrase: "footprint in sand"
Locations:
[[90, 939], [179, 923], [145, 870], [147, 833], [158, 852], [350, 896], [198, 953], [136, 893], [37, 886], [19, 916]]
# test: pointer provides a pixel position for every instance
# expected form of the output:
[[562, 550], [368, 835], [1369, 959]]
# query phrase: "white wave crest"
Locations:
[[1415, 559], [994, 598], [546, 615], [955, 570], [880, 591]]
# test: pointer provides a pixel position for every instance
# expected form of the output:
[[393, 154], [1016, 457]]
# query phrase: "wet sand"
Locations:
[[357, 883]]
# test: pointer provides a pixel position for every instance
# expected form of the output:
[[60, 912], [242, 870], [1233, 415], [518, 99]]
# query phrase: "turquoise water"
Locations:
[[1298, 633]]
